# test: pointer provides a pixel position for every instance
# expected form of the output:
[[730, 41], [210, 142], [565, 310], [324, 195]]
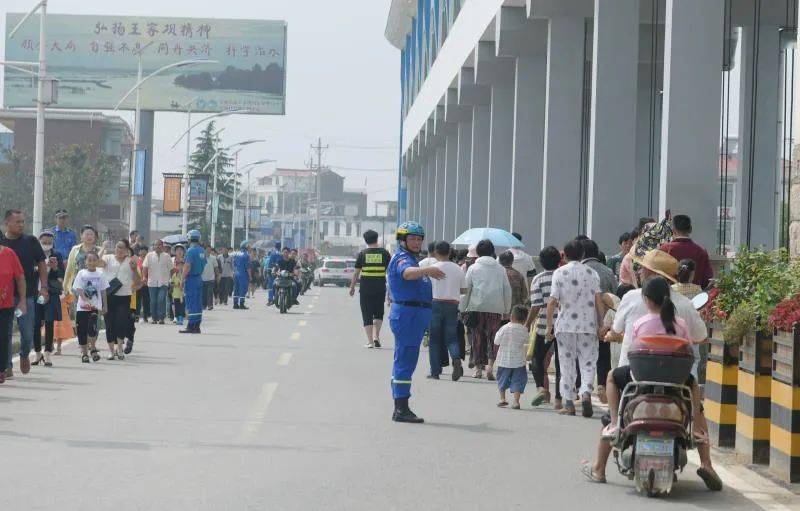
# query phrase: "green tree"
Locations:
[[16, 182], [207, 146]]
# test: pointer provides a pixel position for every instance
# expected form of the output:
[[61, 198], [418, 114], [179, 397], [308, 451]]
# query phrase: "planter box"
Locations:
[[786, 357], [755, 353], [718, 350]]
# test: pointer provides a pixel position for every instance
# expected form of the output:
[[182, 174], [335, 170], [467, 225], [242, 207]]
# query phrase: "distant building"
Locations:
[[110, 134]]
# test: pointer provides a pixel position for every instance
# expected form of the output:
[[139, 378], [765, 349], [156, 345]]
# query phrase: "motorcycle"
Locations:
[[284, 287], [655, 421], [306, 278]]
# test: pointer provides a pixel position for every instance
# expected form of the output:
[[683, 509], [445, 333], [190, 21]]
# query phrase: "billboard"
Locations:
[[140, 161], [198, 191], [172, 194], [96, 60]]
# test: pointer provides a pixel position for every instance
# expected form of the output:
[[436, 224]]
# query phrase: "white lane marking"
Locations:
[[310, 305], [302, 322], [764, 495], [284, 359], [258, 411], [295, 336]]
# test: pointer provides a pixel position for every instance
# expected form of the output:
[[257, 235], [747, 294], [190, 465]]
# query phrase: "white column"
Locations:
[[758, 125], [501, 146], [430, 193], [450, 184], [526, 180], [612, 142], [691, 114], [438, 215], [464, 173], [562, 142], [479, 175]]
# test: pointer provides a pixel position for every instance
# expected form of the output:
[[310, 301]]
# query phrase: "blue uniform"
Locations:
[[193, 286], [409, 318], [273, 260], [241, 279], [63, 241]]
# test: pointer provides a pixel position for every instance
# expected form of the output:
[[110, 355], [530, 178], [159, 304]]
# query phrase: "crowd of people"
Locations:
[[63, 285], [504, 314]]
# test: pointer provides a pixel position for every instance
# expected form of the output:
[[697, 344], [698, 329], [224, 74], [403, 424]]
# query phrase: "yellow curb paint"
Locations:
[[284, 359]]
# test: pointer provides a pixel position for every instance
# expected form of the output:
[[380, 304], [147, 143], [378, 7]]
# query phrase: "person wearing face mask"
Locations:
[[50, 312]]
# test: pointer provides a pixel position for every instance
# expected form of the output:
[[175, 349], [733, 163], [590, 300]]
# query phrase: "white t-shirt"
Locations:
[[121, 271], [513, 340], [632, 307], [428, 261], [92, 283], [449, 288], [208, 272], [159, 267]]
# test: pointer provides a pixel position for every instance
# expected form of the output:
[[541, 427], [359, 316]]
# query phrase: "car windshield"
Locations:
[[336, 265]]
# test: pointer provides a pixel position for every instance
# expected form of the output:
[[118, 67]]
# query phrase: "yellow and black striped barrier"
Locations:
[[784, 458], [753, 399], [720, 390]]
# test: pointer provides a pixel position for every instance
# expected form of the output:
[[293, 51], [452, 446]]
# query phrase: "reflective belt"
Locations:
[[378, 272], [195, 314], [401, 382]]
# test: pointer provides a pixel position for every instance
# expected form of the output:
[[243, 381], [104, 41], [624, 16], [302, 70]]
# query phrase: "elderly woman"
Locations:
[[487, 300]]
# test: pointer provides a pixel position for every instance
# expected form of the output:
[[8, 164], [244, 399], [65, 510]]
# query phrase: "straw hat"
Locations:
[[659, 262]]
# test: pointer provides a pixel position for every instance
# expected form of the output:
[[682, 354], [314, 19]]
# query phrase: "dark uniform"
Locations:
[[372, 292], [409, 318]]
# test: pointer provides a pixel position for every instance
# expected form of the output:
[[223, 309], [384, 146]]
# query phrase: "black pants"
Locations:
[[603, 363], [208, 294], [180, 309], [225, 289], [117, 318], [87, 326], [37, 331], [6, 320], [143, 302], [371, 306], [540, 349]]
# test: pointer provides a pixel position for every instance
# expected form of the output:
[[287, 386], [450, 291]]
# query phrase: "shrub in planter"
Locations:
[[786, 314], [739, 324]]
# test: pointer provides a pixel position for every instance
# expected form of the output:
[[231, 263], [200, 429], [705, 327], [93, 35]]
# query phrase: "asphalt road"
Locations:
[[265, 411]]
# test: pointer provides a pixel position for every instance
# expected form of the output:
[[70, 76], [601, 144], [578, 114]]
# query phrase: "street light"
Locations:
[[188, 135], [249, 168], [215, 160], [137, 88], [38, 172]]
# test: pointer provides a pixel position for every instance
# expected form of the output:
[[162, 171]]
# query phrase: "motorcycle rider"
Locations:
[[269, 265], [288, 264], [632, 308], [306, 272], [193, 283], [241, 275], [412, 295]]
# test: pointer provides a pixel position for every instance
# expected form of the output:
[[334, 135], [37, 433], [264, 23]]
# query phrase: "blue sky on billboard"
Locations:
[[342, 84]]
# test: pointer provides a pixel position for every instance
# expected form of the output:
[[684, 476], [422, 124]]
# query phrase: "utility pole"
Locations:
[[319, 148]]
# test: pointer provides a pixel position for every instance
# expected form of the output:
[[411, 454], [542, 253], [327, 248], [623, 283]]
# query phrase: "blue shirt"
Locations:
[[196, 257], [272, 261], [403, 290], [63, 241], [241, 263]]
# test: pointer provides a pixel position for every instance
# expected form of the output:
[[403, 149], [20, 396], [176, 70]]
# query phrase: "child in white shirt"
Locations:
[[90, 287], [512, 339]]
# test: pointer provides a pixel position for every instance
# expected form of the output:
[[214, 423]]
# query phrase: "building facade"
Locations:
[[561, 117]]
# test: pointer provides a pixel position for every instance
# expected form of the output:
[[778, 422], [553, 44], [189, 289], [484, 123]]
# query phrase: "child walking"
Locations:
[[176, 282], [512, 340], [90, 286]]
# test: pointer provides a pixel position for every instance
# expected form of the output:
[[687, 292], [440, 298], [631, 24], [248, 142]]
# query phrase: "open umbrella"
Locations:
[[174, 239], [263, 244], [498, 237]]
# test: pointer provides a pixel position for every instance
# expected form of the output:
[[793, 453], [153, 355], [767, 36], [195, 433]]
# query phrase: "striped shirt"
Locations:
[[540, 295]]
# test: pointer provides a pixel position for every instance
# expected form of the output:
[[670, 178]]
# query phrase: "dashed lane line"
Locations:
[[284, 359], [302, 322], [258, 411], [295, 336]]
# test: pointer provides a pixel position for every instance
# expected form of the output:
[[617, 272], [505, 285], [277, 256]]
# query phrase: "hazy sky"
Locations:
[[343, 85]]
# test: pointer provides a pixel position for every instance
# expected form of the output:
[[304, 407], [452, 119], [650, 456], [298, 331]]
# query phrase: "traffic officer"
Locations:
[[193, 266], [410, 316], [241, 275]]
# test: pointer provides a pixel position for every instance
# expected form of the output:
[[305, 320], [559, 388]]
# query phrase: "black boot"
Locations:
[[402, 413]]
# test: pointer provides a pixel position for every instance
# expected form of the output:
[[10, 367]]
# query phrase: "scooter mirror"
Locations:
[[700, 301]]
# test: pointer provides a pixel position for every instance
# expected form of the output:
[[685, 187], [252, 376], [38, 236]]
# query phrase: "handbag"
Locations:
[[114, 285]]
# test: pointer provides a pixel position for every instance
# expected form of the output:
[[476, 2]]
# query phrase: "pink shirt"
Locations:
[[650, 324]]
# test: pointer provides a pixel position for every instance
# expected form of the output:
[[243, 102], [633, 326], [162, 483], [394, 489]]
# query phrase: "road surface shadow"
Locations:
[[483, 427]]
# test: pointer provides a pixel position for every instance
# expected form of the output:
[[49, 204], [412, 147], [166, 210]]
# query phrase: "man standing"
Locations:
[[270, 264], [682, 247], [410, 316], [241, 276], [193, 268], [64, 238], [226, 276], [156, 270], [33, 261], [576, 294], [523, 262], [209, 277], [444, 320], [371, 265], [625, 243]]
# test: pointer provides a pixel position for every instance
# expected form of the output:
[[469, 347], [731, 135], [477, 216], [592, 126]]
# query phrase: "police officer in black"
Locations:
[[371, 265]]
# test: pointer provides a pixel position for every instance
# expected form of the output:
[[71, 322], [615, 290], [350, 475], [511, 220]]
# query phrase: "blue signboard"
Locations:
[[139, 171]]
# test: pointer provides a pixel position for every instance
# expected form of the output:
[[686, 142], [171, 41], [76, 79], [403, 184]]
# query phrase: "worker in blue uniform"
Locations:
[[410, 316], [241, 275], [194, 263], [269, 267]]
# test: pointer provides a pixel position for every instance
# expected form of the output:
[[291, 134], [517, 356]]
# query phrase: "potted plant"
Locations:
[[786, 352]]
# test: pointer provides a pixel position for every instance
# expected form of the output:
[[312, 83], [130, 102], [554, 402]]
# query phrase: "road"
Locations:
[[265, 411]]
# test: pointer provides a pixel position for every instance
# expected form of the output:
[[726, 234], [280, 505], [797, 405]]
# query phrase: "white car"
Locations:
[[335, 271]]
